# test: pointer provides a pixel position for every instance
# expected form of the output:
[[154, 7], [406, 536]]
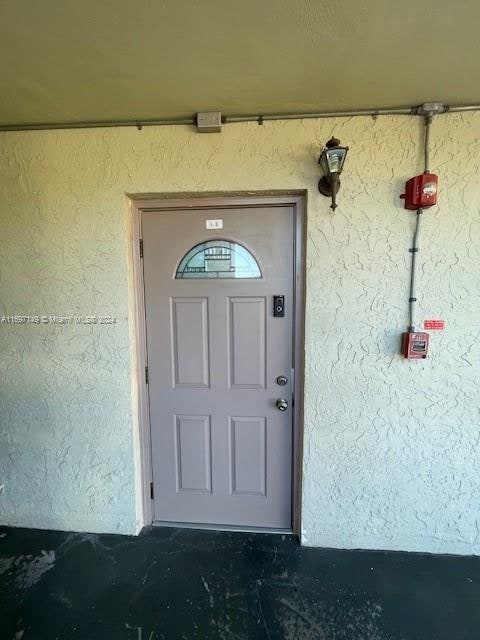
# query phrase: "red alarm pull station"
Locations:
[[415, 345], [421, 191]]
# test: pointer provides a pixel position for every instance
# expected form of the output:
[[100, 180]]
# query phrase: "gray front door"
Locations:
[[218, 362]]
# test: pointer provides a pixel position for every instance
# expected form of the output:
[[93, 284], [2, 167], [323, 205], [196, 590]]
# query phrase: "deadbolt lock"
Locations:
[[282, 380], [282, 404]]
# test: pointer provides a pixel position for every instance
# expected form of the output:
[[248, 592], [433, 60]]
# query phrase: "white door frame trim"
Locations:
[[136, 203]]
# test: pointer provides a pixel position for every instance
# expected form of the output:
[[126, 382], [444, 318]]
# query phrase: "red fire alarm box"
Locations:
[[421, 191], [415, 345]]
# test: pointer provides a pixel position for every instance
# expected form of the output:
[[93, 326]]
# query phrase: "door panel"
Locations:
[[190, 342], [193, 444], [221, 449], [248, 462], [247, 343]]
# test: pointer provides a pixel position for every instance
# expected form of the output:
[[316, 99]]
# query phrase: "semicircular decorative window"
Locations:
[[218, 259]]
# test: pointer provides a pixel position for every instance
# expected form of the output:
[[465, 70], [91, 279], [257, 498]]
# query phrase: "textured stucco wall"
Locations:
[[391, 447]]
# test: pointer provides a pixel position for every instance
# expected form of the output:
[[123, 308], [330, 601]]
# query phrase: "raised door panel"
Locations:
[[247, 344], [193, 453], [248, 456], [189, 336]]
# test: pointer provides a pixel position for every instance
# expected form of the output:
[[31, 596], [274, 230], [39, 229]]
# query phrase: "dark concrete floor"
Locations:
[[185, 584]]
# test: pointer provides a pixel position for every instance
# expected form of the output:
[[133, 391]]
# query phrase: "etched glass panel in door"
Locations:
[[218, 259]]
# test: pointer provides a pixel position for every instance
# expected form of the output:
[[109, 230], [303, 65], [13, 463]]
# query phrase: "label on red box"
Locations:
[[434, 325]]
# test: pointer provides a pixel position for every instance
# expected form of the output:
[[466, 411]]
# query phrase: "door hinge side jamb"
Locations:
[[141, 247]]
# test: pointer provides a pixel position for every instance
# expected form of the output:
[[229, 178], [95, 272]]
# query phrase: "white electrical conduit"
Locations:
[[414, 249], [139, 124], [428, 124]]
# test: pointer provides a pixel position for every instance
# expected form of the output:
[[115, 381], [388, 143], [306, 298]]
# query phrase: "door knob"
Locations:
[[282, 404]]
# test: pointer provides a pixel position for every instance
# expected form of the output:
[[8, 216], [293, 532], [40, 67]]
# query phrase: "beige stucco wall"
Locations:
[[391, 447]]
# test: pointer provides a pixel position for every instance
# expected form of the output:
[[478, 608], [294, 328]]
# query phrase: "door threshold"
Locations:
[[221, 527]]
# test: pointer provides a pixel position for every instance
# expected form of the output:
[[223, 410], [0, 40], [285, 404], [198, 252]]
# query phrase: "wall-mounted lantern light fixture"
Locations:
[[331, 160]]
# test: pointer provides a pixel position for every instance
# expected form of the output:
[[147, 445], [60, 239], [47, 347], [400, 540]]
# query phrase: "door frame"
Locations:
[[136, 204]]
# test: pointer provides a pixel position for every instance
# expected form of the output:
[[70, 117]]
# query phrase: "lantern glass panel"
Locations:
[[335, 159]]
